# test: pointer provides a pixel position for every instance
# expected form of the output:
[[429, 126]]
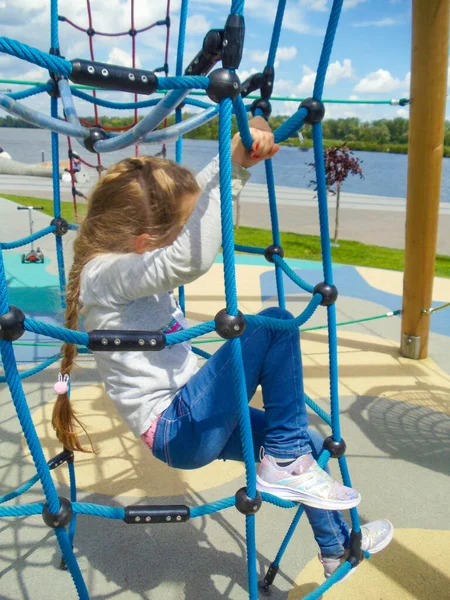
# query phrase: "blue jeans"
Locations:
[[201, 424]]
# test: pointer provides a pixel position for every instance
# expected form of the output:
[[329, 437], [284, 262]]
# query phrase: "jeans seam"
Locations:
[[335, 531], [297, 422], [226, 364]]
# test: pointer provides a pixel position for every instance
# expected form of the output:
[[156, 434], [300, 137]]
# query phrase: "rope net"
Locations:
[[178, 87]]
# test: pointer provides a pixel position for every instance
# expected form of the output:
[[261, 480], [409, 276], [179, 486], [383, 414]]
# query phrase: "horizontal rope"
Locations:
[[40, 367], [106, 34], [58, 333], [185, 82], [28, 239], [38, 89], [248, 249], [20, 490], [55, 64], [131, 105]]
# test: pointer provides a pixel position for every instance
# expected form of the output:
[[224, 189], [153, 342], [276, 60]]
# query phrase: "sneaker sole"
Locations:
[[287, 493]]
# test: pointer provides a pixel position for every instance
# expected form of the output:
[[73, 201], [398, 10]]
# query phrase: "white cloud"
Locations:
[[316, 5], [380, 81], [259, 56], [353, 97], [403, 112], [352, 3], [286, 52], [198, 24], [117, 56], [243, 75], [336, 72], [386, 22]]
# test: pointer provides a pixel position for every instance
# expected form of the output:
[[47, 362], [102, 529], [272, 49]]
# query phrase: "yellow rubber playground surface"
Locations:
[[395, 420]]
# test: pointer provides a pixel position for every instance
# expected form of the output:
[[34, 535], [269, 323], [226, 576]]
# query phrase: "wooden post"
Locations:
[[429, 62]]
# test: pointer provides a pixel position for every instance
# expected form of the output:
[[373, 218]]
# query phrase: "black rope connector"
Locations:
[[12, 324], [316, 110], [91, 32], [329, 293], [54, 91], [229, 326], [59, 459], [95, 135], [246, 505], [268, 79], [223, 84], [336, 449], [263, 105], [233, 41], [269, 578], [152, 514], [271, 250], [62, 226], [112, 340], [61, 518], [132, 32], [403, 101], [356, 555]]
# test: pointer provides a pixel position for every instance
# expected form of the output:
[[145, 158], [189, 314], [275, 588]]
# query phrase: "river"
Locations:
[[384, 174]]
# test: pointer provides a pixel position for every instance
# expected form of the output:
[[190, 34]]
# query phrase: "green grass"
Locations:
[[306, 247], [67, 211]]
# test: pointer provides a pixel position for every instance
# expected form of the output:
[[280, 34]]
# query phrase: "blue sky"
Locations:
[[370, 59]]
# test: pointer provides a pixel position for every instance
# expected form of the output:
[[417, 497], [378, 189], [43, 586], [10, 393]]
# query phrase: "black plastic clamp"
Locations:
[[132, 32], [62, 226], [316, 110], [336, 449], [59, 459], [356, 555], [223, 84], [12, 324], [245, 504], [268, 80], [102, 340], [233, 41], [113, 77], [263, 105], [54, 92], [62, 517], [143, 515], [251, 84], [209, 55], [269, 578], [229, 326], [91, 32], [95, 135], [271, 250], [329, 293]]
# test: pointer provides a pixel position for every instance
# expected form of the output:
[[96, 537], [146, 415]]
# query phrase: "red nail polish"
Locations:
[[257, 146]]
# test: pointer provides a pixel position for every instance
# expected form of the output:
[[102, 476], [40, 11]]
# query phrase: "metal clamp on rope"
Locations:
[[101, 340], [113, 77], [143, 515], [209, 55]]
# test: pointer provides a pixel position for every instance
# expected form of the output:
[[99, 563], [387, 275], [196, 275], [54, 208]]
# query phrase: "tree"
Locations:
[[340, 162]]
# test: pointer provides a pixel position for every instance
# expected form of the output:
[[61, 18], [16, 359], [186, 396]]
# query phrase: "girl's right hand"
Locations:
[[263, 146]]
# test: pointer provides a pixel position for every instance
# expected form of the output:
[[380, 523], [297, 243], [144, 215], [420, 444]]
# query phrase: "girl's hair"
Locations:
[[135, 196]]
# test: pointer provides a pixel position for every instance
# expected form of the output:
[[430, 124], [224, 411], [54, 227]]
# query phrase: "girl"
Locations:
[[151, 227]]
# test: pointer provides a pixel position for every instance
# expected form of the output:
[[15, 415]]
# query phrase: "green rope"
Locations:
[[251, 97]]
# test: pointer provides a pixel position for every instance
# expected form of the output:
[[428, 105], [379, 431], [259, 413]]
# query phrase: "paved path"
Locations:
[[370, 219]]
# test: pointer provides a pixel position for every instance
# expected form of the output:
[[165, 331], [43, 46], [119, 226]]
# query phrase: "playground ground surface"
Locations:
[[395, 420]]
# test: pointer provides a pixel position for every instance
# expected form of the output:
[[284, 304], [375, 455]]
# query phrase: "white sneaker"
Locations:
[[305, 482], [375, 537]]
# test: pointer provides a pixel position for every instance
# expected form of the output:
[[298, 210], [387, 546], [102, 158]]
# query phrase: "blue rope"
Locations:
[[54, 41], [187, 82], [248, 249], [275, 228], [72, 563], [282, 264], [28, 239], [237, 7], [73, 498], [326, 49], [319, 411], [37, 369], [291, 126], [288, 536], [201, 353], [20, 490], [38, 89], [242, 121], [181, 37], [54, 64], [57, 333], [20, 403], [276, 33]]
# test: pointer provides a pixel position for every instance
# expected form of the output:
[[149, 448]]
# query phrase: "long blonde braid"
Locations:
[[137, 195]]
